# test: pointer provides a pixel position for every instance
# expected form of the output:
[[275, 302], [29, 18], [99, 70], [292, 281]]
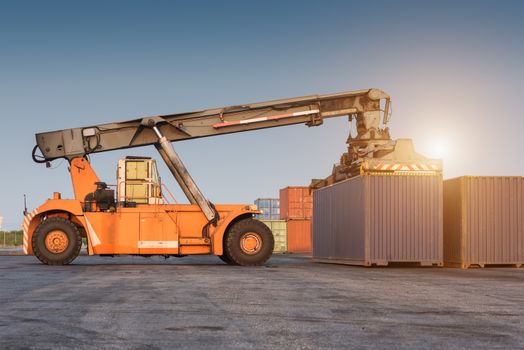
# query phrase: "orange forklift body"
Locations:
[[147, 229]]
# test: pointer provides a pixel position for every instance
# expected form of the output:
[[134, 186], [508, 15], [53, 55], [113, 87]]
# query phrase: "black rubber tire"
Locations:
[[69, 254], [226, 259], [232, 243]]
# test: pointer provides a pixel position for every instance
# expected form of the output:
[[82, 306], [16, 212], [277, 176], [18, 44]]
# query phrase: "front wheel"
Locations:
[[56, 241], [249, 242], [226, 259]]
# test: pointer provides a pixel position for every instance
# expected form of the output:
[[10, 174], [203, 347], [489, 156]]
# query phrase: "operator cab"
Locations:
[[138, 182]]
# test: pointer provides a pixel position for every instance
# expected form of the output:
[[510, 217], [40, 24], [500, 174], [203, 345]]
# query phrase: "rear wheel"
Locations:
[[56, 241], [249, 242]]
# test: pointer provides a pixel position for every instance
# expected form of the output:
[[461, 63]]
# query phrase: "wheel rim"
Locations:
[[56, 241], [251, 243]]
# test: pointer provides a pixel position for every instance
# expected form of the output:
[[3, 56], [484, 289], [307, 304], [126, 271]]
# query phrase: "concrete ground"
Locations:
[[293, 303]]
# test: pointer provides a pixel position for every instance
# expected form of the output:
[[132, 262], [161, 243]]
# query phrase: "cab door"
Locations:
[[158, 234]]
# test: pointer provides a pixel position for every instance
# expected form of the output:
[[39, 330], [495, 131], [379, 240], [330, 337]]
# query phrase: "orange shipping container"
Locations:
[[299, 236], [296, 202]]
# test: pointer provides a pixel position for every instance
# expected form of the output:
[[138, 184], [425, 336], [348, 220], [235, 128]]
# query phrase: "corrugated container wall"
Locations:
[[298, 236], [484, 221], [379, 219], [296, 202], [279, 229], [270, 208]]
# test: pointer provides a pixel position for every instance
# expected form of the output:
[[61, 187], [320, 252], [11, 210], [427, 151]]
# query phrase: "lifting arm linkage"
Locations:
[[186, 182]]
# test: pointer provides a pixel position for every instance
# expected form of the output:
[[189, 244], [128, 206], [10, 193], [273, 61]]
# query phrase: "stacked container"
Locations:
[[484, 221], [279, 229], [296, 203], [296, 207], [380, 218], [270, 208]]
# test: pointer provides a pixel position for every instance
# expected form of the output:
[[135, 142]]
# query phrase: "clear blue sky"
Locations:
[[453, 68]]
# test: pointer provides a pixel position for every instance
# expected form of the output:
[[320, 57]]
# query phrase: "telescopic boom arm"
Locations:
[[310, 110], [363, 105]]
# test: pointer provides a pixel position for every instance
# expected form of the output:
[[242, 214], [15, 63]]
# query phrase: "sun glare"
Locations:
[[439, 149]]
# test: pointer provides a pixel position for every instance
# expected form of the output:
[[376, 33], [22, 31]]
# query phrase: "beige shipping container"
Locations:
[[279, 230], [378, 219], [484, 221]]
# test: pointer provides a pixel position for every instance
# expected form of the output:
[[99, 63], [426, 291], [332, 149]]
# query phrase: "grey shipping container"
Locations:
[[379, 219], [484, 221], [279, 229], [270, 208]]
